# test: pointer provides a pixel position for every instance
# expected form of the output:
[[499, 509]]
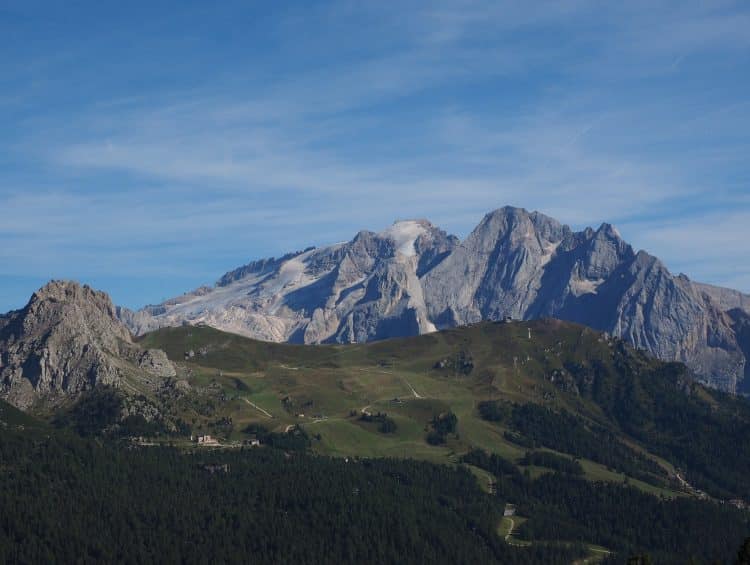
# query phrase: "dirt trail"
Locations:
[[258, 408], [414, 392], [510, 530], [369, 370]]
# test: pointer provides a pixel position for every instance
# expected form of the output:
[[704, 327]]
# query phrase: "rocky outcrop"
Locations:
[[66, 340], [155, 362], [414, 278]]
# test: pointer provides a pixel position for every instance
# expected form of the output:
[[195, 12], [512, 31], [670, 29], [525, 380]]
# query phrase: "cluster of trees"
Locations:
[[67, 499], [94, 411], [537, 426], [442, 425], [498, 466], [495, 410], [386, 425], [563, 431], [619, 517]]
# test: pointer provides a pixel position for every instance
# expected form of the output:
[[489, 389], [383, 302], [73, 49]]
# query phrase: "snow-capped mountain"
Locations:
[[414, 278], [367, 288]]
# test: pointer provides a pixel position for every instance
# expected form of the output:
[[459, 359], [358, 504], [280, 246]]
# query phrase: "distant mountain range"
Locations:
[[414, 278]]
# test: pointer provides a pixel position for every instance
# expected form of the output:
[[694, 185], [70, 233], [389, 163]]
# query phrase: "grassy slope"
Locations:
[[245, 380], [329, 383]]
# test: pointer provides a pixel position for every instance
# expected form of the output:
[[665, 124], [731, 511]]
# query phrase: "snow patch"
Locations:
[[292, 272], [403, 235], [584, 286], [236, 296], [548, 252]]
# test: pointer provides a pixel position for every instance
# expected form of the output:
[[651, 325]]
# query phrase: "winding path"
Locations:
[[510, 530], [258, 408]]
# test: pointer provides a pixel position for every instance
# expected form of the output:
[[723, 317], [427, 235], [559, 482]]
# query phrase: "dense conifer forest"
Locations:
[[70, 499], [66, 499], [594, 475], [630, 522]]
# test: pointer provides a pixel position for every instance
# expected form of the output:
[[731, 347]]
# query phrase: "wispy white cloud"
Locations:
[[442, 110], [709, 247]]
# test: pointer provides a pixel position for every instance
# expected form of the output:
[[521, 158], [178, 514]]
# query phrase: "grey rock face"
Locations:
[[741, 326], [414, 278], [66, 340], [367, 288], [497, 271], [726, 298]]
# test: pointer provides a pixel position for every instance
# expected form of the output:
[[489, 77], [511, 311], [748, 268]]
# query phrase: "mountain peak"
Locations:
[[425, 223], [508, 209], [58, 290], [609, 230], [65, 340], [507, 212], [404, 233], [72, 292]]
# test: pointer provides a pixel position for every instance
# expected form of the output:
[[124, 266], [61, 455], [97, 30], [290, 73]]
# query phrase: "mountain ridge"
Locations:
[[413, 278]]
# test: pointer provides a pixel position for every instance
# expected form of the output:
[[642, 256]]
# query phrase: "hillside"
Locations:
[[574, 433], [283, 505], [513, 387]]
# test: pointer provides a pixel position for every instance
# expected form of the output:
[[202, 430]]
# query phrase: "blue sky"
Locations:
[[146, 148]]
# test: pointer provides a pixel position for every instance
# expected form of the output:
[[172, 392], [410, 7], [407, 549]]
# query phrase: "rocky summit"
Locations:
[[65, 341], [414, 278]]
